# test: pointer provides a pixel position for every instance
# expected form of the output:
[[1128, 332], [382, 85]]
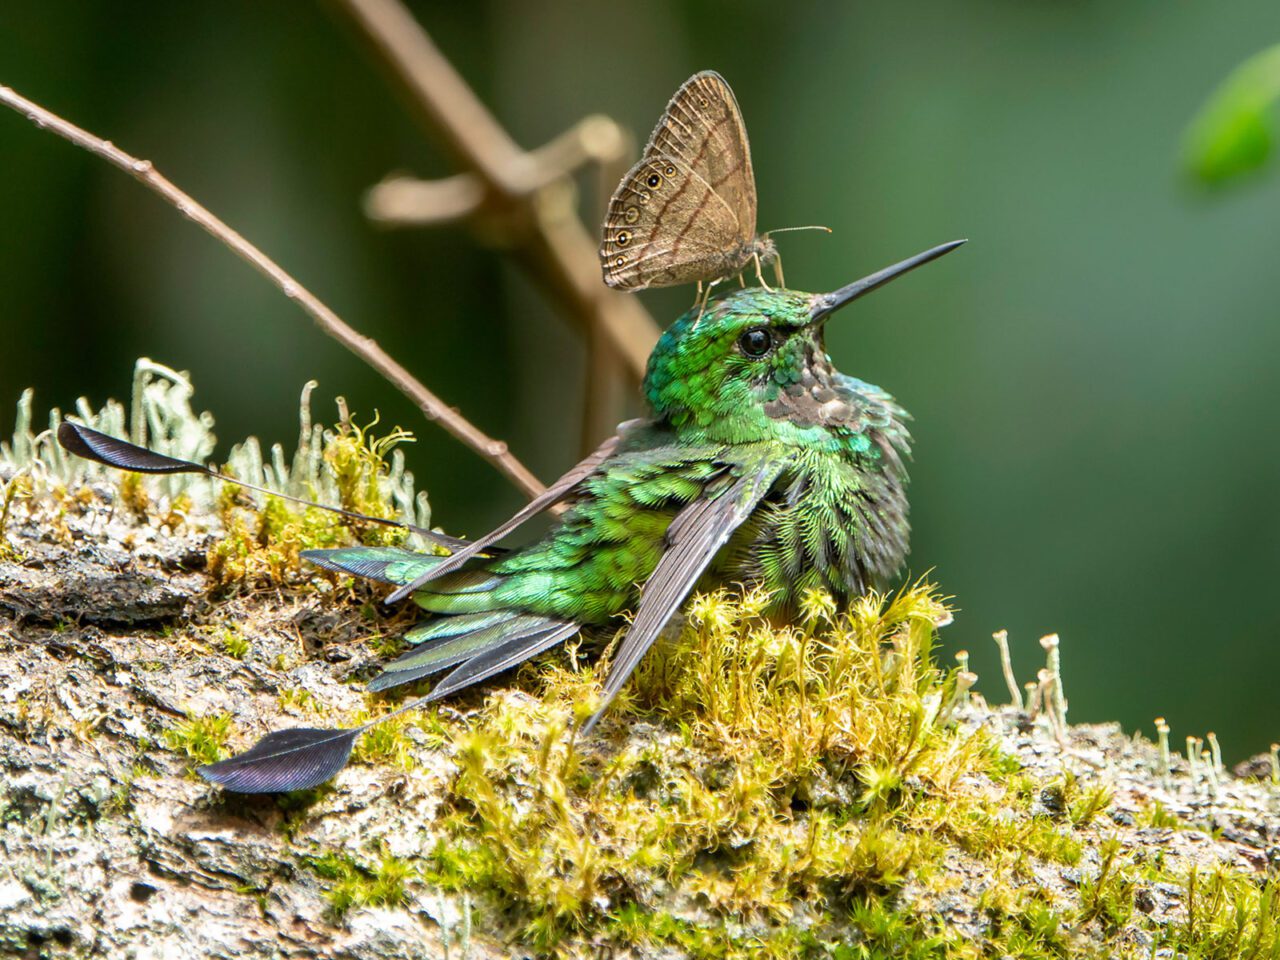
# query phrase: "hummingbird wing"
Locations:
[[698, 531], [553, 495]]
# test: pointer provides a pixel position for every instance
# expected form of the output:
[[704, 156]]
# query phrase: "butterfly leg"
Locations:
[[760, 272], [704, 293], [697, 297], [711, 286], [777, 271]]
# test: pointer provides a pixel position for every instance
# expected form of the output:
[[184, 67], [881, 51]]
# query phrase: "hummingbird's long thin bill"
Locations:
[[827, 303]]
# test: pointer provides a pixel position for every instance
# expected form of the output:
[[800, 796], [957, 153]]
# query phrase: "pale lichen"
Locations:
[[347, 466]]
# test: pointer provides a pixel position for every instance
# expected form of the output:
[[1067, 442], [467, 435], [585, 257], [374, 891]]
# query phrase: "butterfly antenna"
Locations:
[[812, 226], [777, 258], [90, 444]]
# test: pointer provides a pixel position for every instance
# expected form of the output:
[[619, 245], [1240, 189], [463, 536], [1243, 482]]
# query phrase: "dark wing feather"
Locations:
[[695, 535], [553, 494]]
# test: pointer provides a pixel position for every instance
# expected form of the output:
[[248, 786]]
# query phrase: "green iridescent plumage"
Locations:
[[760, 464]]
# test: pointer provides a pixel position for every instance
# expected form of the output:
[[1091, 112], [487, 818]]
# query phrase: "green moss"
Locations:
[[1158, 816], [265, 544], [360, 462], [795, 765], [234, 643], [1088, 805], [790, 782], [1228, 915], [387, 743], [350, 884], [299, 700], [17, 489], [134, 495], [202, 739]]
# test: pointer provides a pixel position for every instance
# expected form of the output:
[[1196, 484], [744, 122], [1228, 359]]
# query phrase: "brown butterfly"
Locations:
[[687, 211]]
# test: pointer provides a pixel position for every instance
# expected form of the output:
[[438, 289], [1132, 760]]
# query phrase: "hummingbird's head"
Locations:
[[718, 372]]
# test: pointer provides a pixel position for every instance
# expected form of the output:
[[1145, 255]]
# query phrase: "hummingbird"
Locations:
[[759, 463]]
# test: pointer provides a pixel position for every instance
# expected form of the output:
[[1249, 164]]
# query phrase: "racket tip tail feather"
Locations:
[[294, 759]]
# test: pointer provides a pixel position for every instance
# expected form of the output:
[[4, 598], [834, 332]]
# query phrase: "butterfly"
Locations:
[[687, 211]]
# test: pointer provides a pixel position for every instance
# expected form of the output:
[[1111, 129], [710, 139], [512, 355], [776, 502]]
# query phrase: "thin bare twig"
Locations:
[[530, 193], [432, 407]]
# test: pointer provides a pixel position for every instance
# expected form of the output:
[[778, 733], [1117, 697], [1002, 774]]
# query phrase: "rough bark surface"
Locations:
[[110, 846]]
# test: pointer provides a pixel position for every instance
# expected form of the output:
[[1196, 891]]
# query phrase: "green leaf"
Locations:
[[1232, 134]]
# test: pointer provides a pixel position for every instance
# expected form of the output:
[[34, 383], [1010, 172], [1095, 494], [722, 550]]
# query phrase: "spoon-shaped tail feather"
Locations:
[[92, 445], [305, 757], [295, 759]]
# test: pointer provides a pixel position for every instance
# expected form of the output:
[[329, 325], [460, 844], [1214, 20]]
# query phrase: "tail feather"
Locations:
[[383, 564], [477, 643], [450, 626], [465, 645], [514, 651]]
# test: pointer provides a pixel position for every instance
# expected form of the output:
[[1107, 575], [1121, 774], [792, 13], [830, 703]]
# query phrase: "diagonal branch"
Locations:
[[432, 407]]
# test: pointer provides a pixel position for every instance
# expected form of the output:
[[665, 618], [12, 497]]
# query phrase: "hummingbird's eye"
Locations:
[[756, 342]]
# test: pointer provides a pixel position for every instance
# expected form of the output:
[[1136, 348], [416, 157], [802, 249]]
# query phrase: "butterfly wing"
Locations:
[[687, 211], [724, 160]]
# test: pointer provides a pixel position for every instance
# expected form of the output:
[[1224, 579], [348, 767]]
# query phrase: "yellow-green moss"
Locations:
[[359, 461], [263, 545], [784, 784], [387, 743], [787, 767], [202, 739], [234, 643], [299, 700], [18, 488], [1229, 915], [350, 884]]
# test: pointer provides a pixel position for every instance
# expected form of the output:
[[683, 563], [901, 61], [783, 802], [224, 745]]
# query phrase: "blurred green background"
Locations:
[[1093, 377]]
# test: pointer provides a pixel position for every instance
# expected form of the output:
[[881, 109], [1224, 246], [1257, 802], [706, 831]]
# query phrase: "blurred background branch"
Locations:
[[524, 203]]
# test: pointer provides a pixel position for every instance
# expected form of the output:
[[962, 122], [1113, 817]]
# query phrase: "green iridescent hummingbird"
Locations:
[[760, 464]]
